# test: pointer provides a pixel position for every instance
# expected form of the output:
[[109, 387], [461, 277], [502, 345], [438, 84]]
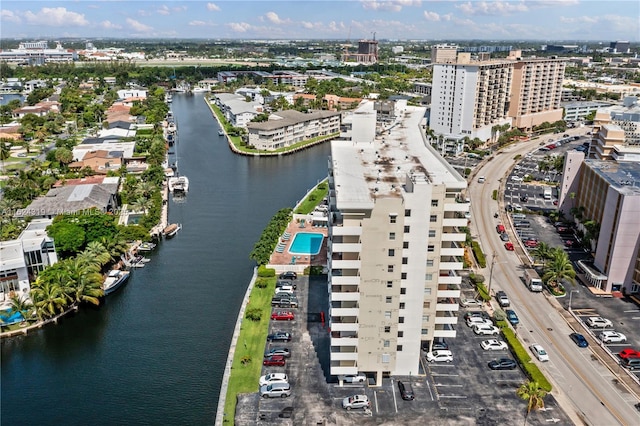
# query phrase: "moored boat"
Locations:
[[178, 184], [115, 279], [171, 230], [220, 132], [146, 246]]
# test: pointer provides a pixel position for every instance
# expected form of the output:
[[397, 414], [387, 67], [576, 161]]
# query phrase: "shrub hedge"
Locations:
[[477, 251], [482, 292], [265, 272], [521, 353], [494, 194]]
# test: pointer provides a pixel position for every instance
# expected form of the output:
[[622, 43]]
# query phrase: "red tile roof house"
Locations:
[[40, 109]]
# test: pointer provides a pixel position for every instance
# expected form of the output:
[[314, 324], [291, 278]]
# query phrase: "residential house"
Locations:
[[236, 109], [100, 161]]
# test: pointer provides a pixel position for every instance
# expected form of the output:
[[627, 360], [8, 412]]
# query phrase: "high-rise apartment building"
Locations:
[[396, 213], [623, 144], [443, 53], [469, 97]]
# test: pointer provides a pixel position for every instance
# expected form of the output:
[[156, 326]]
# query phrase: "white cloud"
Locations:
[[164, 10], [579, 19], [389, 5], [492, 7], [108, 25], [56, 17], [431, 16], [275, 19], [9, 16], [239, 27], [197, 23], [552, 3], [139, 26], [213, 7]]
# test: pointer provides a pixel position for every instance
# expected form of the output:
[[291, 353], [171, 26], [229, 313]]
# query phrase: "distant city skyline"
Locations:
[[342, 20]]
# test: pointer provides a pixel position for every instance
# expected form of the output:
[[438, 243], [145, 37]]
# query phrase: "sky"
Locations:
[[603, 20]]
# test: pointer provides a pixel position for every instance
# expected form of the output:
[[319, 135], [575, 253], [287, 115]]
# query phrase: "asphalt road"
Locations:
[[585, 389]]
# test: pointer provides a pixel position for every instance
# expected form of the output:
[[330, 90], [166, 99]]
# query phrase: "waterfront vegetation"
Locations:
[[264, 247], [250, 346], [312, 199]]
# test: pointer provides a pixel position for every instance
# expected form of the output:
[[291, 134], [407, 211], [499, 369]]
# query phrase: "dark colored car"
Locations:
[[406, 392], [277, 352], [279, 336], [286, 413], [284, 302], [276, 360], [579, 340], [512, 317], [289, 275], [504, 236], [281, 283], [438, 344], [503, 364]]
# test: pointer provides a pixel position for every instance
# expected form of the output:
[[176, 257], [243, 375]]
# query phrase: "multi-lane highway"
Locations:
[[586, 389]]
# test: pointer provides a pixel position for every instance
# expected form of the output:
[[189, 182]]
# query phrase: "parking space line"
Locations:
[[444, 375], [454, 396], [395, 401], [633, 310], [430, 392], [448, 386], [375, 398]]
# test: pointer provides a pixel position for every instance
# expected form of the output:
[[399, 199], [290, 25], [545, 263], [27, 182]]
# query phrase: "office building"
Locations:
[[367, 53], [38, 53], [625, 118], [619, 47], [394, 250], [443, 53]]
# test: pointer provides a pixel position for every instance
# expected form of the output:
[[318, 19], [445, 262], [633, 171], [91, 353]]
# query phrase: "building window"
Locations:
[[403, 290], [429, 262], [425, 318], [426, 305], [428, 277], [424, 331], [387, 315], [389, 284], [399, 348], [386, 343], [431, 248], [434, 203], [402, 305], [393, 218], [433, 218], [389, 299], [432, 233], [406, 229], [403, 276], [427, 291], [400, 333], [389, 268], [401, 320], [387, 329], [405, 244], [386, 358], [405, 260], [407, 212], [392, 252], [392, 235]]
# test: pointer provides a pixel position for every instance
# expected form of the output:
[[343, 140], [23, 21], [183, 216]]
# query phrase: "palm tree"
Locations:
[[114, 246], [531, 392], [48, 298], [145, 189], [95, 254], [141, 204], [542, 252], [5, 152], [23, 305], [85, 281], [560, 268]]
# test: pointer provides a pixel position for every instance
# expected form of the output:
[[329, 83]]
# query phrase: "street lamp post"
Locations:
[[493, 262], [570, 297]]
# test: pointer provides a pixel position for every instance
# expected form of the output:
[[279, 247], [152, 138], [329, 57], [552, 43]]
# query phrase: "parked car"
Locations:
[[285, 290], [356, 401], [440, 356], [486, 330], [286, 413], [438, 344], [500, 229], [279, 336], [516, 178], [282, 283], [612, 337], [276, 360], [524, 198], [531, 243], [504, 236], [278, 351], [512, 317], [289, 275], [478, 314], [509, 246], [502, 299], [284, 301], [354, 378], [275, 390], [503, 364], [629, 353], [539, 352], [282, 316], [494, 345], [579, 340], [267, 379], [599, 322], [474, 321], [466, 303], [406, 391], [631, 364]]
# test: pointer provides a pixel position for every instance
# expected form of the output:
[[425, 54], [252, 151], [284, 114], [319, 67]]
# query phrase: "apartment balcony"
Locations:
[[341, 280], [349, 296], [457, 207], [345, 327], [449, 280], [344, 356], [346, 247], [345, 264], [451, 332], [344, 312], [447, 307], [344, 341], [451, 266], [453, 251], [454, 222], [340, 369], [346, 230], [446, 320]]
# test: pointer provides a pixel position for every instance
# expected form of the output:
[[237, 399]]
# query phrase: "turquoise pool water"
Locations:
[[6, 318], [134, 218], [308, 243]]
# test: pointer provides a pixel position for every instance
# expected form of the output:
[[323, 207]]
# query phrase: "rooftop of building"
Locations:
[[624, 176], [377, 162], [288, 118]]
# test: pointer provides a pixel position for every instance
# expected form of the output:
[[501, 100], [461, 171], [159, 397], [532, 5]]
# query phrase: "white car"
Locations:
[[473, 321], [356, 401], [599, 322], [493, 345], [440, 356], [612, 337], [516, 178], [358, 378], [486, 330], [465, 303], [539, 352], [267, 379]]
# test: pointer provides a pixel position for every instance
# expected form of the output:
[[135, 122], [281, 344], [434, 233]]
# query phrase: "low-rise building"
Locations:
[[236, 109], [578, 110], [100, 161]]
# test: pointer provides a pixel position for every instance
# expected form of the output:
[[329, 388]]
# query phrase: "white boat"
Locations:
[[199, 90], [178, 184], [146, 246], [171, 128], [220, 132], [171, 230], [115, 279]]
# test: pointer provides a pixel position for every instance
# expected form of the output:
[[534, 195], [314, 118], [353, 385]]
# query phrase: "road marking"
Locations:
[[633, 310], [444, 375], [430, 393], [447, 386], [375, 397], [454, 396]]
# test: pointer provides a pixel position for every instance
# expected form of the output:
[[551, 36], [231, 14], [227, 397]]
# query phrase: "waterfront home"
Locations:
[[236, 109], [330, 102], [110, 144], [101, 161], [23, 258], [40, 109]]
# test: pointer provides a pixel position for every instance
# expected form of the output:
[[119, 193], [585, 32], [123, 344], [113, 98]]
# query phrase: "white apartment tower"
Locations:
[[443, 53], [394, 243], [469, 97]]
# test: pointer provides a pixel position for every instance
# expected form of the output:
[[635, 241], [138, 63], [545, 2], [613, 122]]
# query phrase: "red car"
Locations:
[[629, 353], [509, 246], [282, 316], [500, 229], [569, 243], [275, 360], [531, 243]]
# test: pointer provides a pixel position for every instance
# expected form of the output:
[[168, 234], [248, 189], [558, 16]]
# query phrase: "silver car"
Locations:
[[275, 390]]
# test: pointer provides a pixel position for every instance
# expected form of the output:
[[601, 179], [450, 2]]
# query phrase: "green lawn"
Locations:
[[313, 198], [251, 342]]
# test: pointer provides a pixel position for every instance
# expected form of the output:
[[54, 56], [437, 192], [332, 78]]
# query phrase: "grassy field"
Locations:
[[251, 343], [313, 199]]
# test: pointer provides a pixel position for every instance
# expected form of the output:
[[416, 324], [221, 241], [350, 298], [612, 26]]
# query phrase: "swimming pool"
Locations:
[[306, 243], [7, 318]]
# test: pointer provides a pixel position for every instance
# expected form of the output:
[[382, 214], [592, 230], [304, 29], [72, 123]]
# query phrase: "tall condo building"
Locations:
[[470, 97], [443, 53], [396, 213]]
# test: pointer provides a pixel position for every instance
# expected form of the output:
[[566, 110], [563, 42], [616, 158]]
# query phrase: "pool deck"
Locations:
[[302, 261]]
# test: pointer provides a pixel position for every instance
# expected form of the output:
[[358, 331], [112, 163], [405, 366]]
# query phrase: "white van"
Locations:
[[481, 179]]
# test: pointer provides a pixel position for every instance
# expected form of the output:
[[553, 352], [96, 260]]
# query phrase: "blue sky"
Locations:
[[602, 20]]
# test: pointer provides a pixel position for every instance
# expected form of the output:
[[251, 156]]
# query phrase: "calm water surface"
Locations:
[[155, 352]]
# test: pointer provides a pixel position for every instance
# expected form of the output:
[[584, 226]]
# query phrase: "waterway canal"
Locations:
[[155, 352]]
